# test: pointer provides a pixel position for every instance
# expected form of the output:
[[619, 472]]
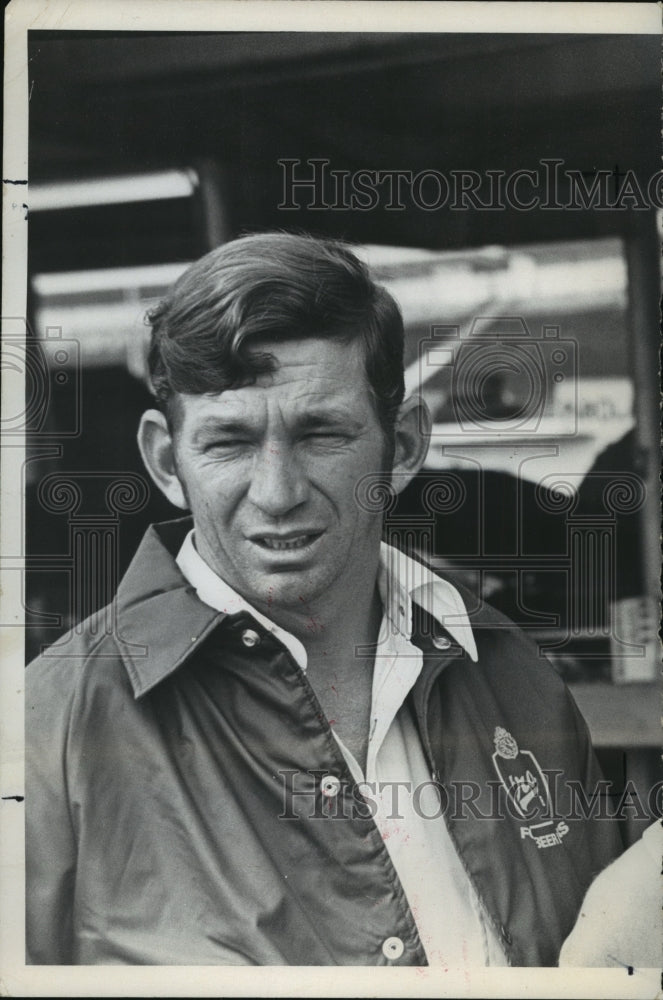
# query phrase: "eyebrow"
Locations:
[[217, 425], [326, 417]]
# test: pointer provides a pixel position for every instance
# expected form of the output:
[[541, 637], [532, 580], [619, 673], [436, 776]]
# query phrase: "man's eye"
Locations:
[[228, 444], [325, 436]]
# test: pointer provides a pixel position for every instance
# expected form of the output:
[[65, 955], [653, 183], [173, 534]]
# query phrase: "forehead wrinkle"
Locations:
[[312, 383], [323, 391]]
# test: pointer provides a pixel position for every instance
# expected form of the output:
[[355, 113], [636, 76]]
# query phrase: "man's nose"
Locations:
[[278, 482]]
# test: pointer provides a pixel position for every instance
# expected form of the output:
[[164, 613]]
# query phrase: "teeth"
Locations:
[[291, 543]]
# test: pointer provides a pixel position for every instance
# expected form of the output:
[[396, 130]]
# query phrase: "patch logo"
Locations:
[[527, 789]]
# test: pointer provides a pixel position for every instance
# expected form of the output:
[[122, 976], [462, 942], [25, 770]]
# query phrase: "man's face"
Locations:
[[270, 471]]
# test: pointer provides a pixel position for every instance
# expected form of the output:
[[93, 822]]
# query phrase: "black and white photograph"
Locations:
[[330, 499]]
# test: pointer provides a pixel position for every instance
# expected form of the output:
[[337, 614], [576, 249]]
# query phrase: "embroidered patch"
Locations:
[[527, 788]]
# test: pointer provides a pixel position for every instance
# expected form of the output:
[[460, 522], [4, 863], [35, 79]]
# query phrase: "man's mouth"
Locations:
[[286, 543]]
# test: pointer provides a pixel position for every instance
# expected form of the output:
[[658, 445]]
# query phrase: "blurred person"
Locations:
[[298, 745], [621, 919]]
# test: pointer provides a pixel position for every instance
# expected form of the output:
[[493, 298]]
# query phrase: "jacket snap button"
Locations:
[[330, 785], [441, 642], [393, 948], [250, 637]]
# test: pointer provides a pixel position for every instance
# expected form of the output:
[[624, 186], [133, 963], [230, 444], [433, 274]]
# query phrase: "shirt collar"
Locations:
[[160, 619], [403, 581]]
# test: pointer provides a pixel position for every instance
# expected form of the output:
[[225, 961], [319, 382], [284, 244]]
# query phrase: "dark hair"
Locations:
[[272, 285]]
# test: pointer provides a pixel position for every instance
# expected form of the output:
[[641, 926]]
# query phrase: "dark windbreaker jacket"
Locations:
[[176, 760]]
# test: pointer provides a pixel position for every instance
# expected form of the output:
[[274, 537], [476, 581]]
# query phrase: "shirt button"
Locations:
[[250, 637], [330, 785], [441, 642], [393, 948]]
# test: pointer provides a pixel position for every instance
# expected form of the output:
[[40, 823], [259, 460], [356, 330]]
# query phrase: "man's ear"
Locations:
[[157, 449], [411, 439]]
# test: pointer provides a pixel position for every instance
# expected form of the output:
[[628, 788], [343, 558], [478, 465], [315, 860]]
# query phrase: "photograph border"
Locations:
[[16, 978]]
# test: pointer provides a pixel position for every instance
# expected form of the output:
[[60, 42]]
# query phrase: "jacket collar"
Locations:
[[160, 619]]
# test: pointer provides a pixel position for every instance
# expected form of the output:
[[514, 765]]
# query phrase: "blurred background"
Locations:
[[533, 334]]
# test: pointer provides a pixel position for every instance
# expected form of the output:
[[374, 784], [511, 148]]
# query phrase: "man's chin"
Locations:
[[289, 592]]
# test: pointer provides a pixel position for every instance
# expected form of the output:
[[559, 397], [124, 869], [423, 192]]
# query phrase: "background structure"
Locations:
[[531, 331]]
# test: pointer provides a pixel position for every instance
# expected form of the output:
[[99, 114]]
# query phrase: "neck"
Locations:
[[336, 638], [329, 628]]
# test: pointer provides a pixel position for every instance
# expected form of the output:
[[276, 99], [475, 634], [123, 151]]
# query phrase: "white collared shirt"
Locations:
[[451, 923]]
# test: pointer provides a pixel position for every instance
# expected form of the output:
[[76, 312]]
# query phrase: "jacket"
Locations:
[[178, 769]]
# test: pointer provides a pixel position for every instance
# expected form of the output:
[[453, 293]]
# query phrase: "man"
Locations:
[[296, 747]]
